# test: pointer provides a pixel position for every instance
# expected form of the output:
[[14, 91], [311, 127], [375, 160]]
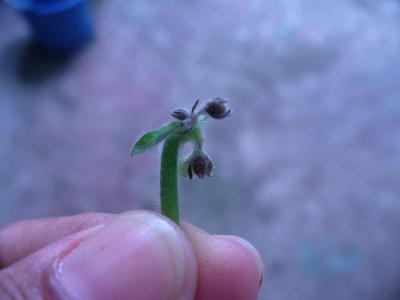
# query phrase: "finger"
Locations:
[[22, 238], [139, 255], [228, 266]]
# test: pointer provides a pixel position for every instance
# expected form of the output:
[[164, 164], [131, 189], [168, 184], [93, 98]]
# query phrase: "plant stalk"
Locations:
[[169, 179], [169, 171]]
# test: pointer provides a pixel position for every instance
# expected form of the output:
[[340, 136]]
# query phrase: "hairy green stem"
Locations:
[[169, 171]]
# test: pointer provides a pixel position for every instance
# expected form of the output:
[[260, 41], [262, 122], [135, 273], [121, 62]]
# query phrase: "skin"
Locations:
[[135, 255]]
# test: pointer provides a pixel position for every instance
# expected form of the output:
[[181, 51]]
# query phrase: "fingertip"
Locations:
[[229, 267], [140, 254], [252, 251]]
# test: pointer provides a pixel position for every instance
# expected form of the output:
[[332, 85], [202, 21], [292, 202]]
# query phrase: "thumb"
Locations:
[[139, 255]]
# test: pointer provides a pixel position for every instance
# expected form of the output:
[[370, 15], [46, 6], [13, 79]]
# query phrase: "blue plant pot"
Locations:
[[59, 27]]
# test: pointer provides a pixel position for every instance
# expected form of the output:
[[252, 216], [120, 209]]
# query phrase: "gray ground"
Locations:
[[307, 168]]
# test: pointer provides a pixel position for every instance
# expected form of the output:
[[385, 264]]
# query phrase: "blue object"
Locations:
[[60, 27]]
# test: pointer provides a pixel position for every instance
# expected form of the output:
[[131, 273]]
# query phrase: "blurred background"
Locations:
[[306, 169]]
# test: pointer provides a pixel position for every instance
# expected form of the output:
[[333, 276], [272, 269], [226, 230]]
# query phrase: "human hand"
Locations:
[[136, 255]]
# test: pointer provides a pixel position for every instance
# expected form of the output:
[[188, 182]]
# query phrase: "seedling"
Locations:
[[187, 127]]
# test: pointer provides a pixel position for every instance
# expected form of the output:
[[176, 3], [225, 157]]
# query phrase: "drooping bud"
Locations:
[[217, 108], [180, 114], [201, 165]]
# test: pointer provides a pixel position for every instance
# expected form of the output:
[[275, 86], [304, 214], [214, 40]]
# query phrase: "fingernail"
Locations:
[[138, 256]]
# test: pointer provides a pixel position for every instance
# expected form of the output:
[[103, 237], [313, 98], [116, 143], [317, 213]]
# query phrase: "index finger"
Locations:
[[22, 238]]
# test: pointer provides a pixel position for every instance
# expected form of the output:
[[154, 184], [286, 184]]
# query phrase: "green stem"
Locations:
[[169, 171], [169, 179]]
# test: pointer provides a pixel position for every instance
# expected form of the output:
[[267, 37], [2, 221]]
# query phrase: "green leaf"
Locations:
[[152, 138]]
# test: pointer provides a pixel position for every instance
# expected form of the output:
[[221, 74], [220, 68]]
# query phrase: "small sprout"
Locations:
[[201, 165], [217, 108], [185, 128]]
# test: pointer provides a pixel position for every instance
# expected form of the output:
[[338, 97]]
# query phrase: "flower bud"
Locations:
[[201, 165], [217, 108], [180, 114]]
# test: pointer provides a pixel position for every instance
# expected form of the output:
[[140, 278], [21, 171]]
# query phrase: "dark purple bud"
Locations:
[[217, 108], [201, 165], [180, 114]]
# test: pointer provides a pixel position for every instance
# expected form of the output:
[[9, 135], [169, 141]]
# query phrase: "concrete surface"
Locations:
[[307, 168]]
